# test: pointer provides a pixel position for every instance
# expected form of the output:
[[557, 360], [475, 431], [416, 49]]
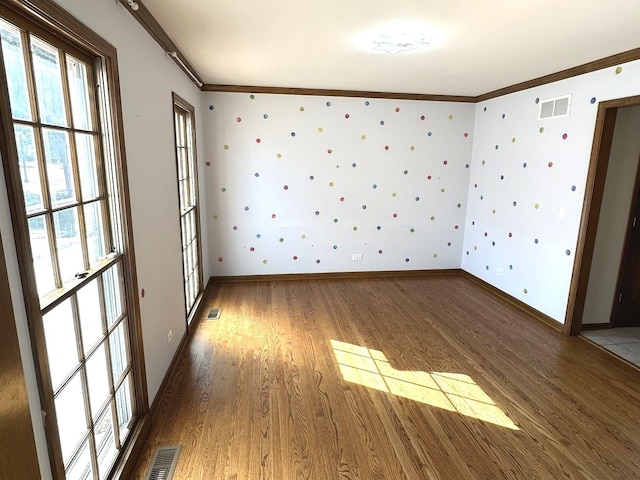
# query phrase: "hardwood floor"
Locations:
[[461, 386]]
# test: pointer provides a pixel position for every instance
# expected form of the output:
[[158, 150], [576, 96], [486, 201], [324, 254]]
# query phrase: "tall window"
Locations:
[[64, 170], [183, 114]]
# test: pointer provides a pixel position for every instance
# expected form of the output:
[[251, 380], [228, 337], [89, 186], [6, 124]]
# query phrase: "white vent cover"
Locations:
[[164, 463], [555, 107]]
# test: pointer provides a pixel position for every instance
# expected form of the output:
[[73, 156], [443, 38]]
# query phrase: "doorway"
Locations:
[[602, 293]]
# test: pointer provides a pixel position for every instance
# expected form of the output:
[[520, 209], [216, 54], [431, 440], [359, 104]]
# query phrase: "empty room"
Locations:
[[362, 240]]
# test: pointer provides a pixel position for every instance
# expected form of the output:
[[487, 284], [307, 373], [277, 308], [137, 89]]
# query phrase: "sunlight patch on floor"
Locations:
[[454, 392]]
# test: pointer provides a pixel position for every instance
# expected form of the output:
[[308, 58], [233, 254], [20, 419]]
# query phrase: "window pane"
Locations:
[[72, 424], [123, 405], [112, 281], [95, 234], [12, 51], [41, 253], [90, 315], [117, 342], [46, 68], [60, 337], [70, 259], [87, 165], [80, 468], [105, 443], [59, 170], [29, 169], [79, 92], [98, 379]]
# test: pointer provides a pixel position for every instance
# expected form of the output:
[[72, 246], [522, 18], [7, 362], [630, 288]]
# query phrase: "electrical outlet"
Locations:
[[169, 336], [499, 272], [356, 257]]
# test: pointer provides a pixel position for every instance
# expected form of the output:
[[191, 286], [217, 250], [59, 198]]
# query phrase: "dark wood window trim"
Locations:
[[18, 456], [56, 22], [182, 106]]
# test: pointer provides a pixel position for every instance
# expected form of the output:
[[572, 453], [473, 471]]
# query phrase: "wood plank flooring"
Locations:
[[461, 386]]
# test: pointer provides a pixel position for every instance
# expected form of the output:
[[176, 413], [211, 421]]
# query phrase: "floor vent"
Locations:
[[164, 463], [214, 314]]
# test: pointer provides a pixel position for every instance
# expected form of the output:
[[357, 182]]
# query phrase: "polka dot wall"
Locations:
[[298, 184], [527, 184], [308, 181]]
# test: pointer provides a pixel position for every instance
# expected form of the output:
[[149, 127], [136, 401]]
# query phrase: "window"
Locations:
[[183, 114], [65, 179]]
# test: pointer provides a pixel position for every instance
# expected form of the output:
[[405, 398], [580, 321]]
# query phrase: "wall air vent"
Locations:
[[555, 107]]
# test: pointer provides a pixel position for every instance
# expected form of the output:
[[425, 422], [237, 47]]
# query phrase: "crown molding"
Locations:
[[336, 93], [151, 25]]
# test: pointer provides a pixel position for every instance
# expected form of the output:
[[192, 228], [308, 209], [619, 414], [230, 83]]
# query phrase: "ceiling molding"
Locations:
[[151, 25], [336, 93], [606, 62]]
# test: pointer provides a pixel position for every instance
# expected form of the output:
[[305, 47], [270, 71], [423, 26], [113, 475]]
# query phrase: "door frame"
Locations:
[[594, 190]]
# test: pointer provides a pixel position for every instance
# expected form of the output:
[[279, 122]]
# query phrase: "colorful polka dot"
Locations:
[[238, 119], [302, 109], [211, 107], [618, 70], [346, 115], [564, 136]]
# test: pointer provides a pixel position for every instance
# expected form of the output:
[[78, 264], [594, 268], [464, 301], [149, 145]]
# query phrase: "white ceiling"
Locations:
[[484, 44]]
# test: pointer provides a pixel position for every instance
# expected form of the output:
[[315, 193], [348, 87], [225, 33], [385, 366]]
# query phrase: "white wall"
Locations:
[[147, 80], [548, 199], [297, 184], [614, 215]]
